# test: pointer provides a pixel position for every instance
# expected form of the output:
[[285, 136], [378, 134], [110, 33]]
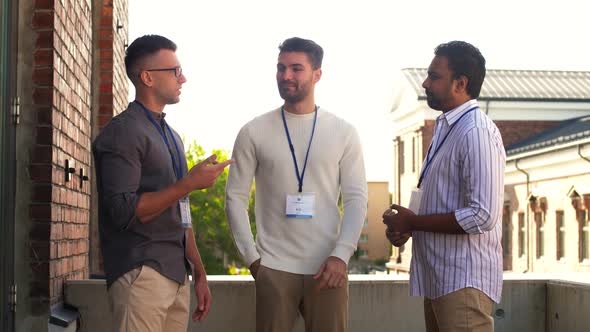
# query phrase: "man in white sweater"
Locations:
[[301, 158]]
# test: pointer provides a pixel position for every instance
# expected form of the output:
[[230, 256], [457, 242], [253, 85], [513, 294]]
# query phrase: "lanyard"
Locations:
[[429, 160], [177, 168], [299, 177]]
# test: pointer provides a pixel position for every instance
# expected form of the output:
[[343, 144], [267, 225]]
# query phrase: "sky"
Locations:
[[228, 51]]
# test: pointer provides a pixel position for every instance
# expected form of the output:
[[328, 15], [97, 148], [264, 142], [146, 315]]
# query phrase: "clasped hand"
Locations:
[[398, 225]]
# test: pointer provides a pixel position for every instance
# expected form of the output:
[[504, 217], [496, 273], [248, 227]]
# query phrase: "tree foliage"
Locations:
[[210, 224]]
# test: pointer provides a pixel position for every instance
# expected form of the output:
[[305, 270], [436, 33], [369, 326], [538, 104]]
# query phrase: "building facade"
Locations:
[[62, 78], [522, 104], [372, 243], [547, 198]]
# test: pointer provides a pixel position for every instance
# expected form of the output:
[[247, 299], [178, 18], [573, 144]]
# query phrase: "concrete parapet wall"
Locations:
[[377, 303], [568, 306]]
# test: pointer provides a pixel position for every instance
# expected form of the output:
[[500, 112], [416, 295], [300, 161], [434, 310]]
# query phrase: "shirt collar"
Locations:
[[453, 115], [157, 116]]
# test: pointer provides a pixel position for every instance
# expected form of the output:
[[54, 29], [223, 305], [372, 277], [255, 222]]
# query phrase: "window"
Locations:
[[400, 153], [560, 231], [364, 238], [506, 232], [540, 226], [584, 235], [521, 234]]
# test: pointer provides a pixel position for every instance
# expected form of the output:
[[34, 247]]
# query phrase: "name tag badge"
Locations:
[[300, 205], [415, 199], [185, 213]]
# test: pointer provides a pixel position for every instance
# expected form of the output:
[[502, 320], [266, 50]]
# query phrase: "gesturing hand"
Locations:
[[204, 174], [332, 273]]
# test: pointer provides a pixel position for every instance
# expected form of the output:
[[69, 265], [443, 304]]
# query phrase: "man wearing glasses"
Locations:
[[144, 215]]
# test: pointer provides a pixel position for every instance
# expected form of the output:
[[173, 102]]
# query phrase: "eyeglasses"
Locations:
[[177, 70]]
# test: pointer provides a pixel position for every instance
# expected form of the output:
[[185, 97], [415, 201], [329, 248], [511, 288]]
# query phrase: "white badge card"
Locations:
[[185, 213], [300, 205], [415, 199]]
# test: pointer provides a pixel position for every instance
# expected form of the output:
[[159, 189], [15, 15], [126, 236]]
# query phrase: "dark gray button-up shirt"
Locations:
[[131, 158]]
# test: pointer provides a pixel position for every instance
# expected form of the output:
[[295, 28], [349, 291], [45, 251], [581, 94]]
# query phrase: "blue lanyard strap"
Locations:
[[429, 160], [177, 167], [299, 177]]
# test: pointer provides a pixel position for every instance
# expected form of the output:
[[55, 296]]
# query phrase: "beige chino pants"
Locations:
[[282, 296], [144, 300], [467, 309]]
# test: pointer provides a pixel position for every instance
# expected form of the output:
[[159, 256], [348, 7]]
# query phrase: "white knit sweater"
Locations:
[[335, 164]]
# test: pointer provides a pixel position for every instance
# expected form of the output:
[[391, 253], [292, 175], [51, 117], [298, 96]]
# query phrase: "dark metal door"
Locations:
[[8, 110]]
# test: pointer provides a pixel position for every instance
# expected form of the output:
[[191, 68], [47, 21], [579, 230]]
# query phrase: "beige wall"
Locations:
[[377, 246]]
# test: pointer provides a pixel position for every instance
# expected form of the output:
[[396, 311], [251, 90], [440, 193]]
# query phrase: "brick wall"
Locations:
[[110, 87], [515, 131], [61, 96], [112, 40], [63, 91]]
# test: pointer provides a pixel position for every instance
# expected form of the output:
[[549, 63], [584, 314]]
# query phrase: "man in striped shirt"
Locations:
[[455, 212]]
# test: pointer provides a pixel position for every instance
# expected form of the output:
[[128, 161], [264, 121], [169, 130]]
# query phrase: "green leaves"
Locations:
[[210, 225]]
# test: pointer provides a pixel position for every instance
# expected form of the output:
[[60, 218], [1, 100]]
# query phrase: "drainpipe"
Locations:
[[580, 153], [487, 106], [527, 216]]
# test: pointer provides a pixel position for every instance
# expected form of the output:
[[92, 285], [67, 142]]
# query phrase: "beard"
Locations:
[[436, 102], [296, 95], [432, 101]]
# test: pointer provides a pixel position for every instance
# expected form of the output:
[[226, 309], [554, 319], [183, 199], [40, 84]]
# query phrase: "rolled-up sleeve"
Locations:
[[482, 167], [118, 171]]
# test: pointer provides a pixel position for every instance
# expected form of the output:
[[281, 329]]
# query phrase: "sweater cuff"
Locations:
[[343, 252], [251, 256]]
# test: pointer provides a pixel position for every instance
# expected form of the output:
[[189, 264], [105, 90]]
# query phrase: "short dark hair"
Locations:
[[465, 60], [142, 47], [314, 52]]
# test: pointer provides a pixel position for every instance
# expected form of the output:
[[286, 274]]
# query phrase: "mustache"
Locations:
[[287, 83]]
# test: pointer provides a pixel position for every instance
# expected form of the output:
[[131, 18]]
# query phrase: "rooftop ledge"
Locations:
[[554, 302]]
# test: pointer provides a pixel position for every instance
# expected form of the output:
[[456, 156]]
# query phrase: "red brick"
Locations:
[[106, 87], [43, 76], [40, 232], [40, 172], [42, 96], [42, 193], [515, 131], [44, 135], [42, 154], [57, 233], [39, 251], [44, 4], [44, 39], [43, 20]]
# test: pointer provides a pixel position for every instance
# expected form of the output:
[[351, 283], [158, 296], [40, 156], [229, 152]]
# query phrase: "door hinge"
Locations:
[[16, 110], [13, 297]]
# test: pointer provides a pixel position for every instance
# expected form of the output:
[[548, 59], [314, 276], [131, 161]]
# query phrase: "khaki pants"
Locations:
[[281, 296], [467, 309], [144, 300]]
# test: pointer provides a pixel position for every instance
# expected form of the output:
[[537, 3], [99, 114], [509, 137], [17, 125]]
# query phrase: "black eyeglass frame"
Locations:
[[177, 70]]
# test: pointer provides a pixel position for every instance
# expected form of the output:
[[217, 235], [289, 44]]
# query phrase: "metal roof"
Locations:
[[568, 131], [521, 85]]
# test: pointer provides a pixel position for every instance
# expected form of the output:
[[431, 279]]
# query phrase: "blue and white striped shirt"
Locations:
[[466, 177]]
